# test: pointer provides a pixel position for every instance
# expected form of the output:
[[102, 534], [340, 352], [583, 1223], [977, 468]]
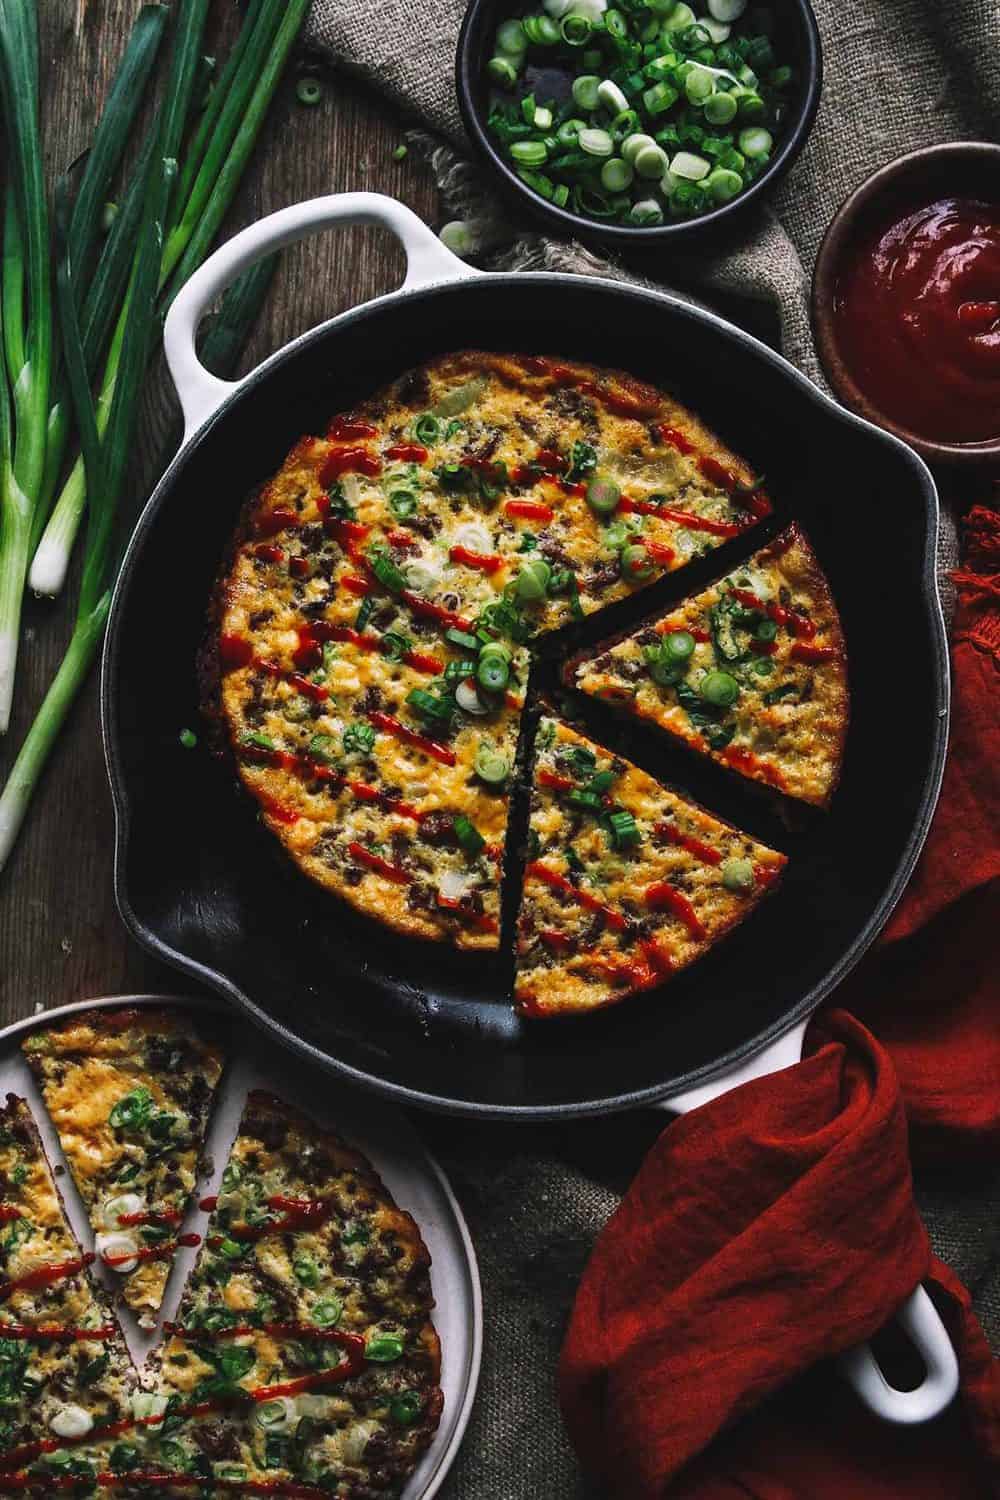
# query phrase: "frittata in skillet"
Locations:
[[304, 1343], [752, 672], [370, 631], [65, 1374], [129, 1094], [626, 880]]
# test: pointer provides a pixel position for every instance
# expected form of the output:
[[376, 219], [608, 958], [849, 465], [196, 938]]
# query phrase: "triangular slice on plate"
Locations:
[[312, 1295], [752, 672], [626, 881], [64, 1367], [129, 1094]]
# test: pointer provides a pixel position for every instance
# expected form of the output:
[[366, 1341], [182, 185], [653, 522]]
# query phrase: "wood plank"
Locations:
[[60, 936]]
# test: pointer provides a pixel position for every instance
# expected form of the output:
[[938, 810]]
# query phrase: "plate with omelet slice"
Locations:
[[318, 1268]]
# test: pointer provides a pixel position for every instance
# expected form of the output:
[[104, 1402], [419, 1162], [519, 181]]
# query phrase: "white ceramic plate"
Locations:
[[379, 1130]]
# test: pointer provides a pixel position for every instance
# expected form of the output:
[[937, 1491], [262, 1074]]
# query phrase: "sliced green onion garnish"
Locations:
[[492, 672], [585, 91], [533, 580], [188, 738], [737, 875], [502, 71], [430, 705], [472, 842], [720, 689], [636, 565], [678, 645], [308, 91], [624, 829], [595, 142], [403, 503], [385, 570], [462, 639], [586, 799], [491, 765], [603, 495], [754, 142], [427, 428], [384, 1347], [327, 1311], [405, 1408]]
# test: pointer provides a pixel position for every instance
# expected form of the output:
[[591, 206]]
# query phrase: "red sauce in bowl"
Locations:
[[917, 314]]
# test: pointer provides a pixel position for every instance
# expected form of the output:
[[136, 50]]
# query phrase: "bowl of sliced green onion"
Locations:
[[625, 121]]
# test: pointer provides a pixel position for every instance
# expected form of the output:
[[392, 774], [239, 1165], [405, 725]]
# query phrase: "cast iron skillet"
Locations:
[[200, 882]]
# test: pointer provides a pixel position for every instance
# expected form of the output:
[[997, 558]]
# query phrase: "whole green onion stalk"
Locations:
[[26, 313], [213, 166], [220, 351]]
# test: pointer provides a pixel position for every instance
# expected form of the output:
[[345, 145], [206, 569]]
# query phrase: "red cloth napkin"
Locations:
[[776, 1226]]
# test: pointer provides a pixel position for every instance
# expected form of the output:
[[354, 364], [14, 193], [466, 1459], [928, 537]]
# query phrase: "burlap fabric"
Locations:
[[898, 74]]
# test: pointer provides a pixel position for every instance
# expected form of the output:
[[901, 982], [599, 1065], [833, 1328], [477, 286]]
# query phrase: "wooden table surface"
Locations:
[[60, 935]]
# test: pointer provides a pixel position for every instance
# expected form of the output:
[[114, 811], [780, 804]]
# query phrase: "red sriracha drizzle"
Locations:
[[46, 1274], [486, 562], [381, 866], [529, 510], [673, 835], [407, 453], [276, 520], [681, 517], [152, 1252], [798, 624], [349, 461], [662, 893], [344, 429], [152, 1216], [813, 654], [44, 1332], [392, 726], [558, 882]]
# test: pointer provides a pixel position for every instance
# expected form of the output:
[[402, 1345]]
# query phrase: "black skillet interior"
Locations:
[[201, 882]]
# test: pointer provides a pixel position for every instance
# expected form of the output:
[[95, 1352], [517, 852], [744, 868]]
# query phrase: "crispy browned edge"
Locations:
[[737, 919], [262, 1102], [110, 1019], [409, 389], [793, 533]]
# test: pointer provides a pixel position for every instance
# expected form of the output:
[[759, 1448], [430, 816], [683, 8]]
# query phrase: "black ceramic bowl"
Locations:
[[796, 42]]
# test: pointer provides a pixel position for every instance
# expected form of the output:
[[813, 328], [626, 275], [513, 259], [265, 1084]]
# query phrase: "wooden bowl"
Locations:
[[955, 167]]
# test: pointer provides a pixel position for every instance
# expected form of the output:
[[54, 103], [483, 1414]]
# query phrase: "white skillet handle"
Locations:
[[202, 393], [917, 1315]]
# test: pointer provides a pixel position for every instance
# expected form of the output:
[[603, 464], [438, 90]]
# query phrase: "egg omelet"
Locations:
[[129, 1093], [765, 643], [303, 1361], [65, 1373], [369, 646], [304, 1341], [626, 880]]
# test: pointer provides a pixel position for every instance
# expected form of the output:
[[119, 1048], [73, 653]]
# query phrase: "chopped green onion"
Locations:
[[385, 570], [588, 800], [575, 29], [646, 214], [430, 705], [308, 91], [490, 764], [720, 109], [511, 37], [462, 639], [457, 237], [533, 580], [188, 738], [624, 830], [493, 671], [403, 504], [690, 167], [472, 842], [633, 144], [359, 739], [427, 429], [405, 1408], [755, 142], [651, 162], [678, 645], [636, 565], [611, 96], [720, 689], [723, 184], [603, 495], [541, 31], [327, 1311], [400, 153], [502, 71], [529, 153], [585, 91], [385, 1347], [595, 142], [616, 175], [737, 875]]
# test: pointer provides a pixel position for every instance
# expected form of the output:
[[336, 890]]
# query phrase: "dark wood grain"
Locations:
[[60, 936]]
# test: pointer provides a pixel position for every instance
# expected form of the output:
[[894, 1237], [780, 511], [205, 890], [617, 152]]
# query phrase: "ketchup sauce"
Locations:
[[917, 314]]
